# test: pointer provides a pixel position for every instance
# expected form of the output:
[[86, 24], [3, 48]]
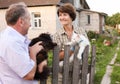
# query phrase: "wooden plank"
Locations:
[[85, 66], [66, 65], [55, 69], [76, 67], [92, 69]]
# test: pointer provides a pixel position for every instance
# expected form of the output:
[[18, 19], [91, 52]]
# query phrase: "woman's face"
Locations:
[[65, 18]]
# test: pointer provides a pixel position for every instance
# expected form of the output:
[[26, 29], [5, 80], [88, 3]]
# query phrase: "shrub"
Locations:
[[92, 35]]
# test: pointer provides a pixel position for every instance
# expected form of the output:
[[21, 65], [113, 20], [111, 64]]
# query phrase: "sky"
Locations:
[[109, 7]]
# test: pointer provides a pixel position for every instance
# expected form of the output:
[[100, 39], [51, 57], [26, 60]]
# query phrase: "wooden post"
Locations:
[[55, 69], [85, 66], [66, 65], [76, 67], [92, 69]]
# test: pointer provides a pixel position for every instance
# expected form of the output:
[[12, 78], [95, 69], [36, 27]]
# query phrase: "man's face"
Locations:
[[26, 23]]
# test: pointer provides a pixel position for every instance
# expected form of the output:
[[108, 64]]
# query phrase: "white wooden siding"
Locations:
[[2, 19], [48, 20]]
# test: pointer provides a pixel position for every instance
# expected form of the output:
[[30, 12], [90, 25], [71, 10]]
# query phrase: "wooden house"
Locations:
[[44, 17], [92, 20]]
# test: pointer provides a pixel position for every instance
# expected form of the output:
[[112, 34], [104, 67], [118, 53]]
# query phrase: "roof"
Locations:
[[6, 3], [86, 6], [102, 13]]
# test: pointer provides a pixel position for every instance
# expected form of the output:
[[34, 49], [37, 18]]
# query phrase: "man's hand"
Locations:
[[35, 48]]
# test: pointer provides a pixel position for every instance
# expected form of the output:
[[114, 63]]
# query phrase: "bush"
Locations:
[[92, 35]]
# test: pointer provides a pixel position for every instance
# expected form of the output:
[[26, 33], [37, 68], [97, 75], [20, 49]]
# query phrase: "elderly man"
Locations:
[[17, 60]]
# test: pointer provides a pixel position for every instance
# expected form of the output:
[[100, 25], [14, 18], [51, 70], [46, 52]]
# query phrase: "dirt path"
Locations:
[[109, 68]]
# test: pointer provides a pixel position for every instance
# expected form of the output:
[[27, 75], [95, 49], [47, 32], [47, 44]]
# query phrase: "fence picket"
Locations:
[[66, 65], [76, 67], [77, 73], [55, 69]]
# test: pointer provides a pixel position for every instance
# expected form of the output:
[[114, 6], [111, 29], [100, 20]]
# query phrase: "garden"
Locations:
[[106, 45]]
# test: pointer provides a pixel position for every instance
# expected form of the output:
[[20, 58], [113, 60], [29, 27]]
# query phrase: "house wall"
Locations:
[[94, 21], [48, 20], [2, 19], [77, 4], [102, 23]]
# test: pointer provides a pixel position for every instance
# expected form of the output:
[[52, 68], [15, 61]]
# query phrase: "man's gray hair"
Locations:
[[14, 12]]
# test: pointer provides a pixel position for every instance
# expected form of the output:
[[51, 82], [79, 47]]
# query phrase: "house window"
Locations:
[[88, 19], [36, 20]]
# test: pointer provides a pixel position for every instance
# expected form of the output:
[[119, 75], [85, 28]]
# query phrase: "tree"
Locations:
[[113, 20]]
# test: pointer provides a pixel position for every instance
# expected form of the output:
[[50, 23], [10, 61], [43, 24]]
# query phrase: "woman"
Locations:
[[67, 14]]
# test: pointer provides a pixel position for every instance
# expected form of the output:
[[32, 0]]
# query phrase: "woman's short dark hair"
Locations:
[[67, 8]]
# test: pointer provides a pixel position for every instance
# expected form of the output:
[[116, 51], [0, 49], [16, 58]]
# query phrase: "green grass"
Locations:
[[115, 76], [102, 61], [104, 54], [50, 58], [118, 57]]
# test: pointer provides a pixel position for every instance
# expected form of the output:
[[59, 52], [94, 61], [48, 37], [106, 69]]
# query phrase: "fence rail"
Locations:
[[78, 72]]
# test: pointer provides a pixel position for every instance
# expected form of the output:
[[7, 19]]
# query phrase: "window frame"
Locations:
[[36, 20], [88, 19]]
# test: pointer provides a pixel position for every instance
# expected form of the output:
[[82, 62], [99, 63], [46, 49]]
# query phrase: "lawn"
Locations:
[[115, 76], [104, 53]]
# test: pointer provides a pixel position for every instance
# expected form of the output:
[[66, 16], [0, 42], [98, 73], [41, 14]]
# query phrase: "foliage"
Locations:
[[50, 58], [104, 55], [113, 20], [117, 61], [92, 35], [115, 77]]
